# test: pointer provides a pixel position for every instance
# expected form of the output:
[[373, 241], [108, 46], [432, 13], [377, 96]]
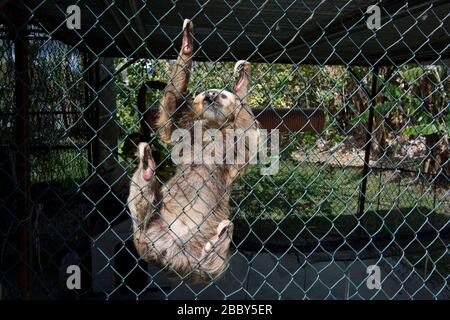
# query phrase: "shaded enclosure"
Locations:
[[363, 173]]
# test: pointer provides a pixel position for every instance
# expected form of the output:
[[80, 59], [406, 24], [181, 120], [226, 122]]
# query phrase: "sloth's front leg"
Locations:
[[176, 88], [142, 200]]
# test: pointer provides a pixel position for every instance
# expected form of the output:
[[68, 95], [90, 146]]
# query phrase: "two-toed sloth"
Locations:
[[184, 225]]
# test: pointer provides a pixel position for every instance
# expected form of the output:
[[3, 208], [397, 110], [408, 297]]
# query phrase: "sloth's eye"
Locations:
[[223, 95]]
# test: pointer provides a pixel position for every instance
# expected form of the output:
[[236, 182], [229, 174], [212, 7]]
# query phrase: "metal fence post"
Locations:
[[368, 144], [22, 136], [95, 113], [87, 83], [108, 130]]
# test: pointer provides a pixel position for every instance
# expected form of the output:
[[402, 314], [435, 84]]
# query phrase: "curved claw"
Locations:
[[187, 46], [141, 148], [187, 23], [146, 161], [223, 229], [242, 69], [241, 65]]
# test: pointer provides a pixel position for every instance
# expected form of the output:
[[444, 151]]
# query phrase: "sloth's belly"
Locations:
[[194, 201]]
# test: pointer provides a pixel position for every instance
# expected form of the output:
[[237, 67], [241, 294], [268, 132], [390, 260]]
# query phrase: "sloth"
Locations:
[[183, 226]]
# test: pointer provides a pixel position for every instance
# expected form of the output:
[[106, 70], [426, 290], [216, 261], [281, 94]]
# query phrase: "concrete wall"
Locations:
[[273, 276]]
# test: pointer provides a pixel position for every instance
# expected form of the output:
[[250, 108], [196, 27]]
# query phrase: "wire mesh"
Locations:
[[370, 189]]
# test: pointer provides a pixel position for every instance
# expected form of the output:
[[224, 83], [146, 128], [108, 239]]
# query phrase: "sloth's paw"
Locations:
[[241, 65], [242, 72], [147, 163], [188, 43], [187, 23], [224, 230]]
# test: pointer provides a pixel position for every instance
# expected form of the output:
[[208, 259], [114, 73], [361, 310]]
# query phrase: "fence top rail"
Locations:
[[307, 32]]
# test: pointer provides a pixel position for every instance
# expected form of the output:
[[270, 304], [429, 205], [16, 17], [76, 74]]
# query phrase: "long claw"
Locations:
[[222, 230], [239, 66], [241, 69], [187, 23], [147, 162], [141, 148], [187, 45]]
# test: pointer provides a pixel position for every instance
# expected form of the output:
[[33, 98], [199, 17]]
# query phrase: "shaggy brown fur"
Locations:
[[183, 226]]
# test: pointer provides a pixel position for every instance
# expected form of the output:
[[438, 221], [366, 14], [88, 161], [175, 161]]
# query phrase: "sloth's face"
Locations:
[[216, 106]]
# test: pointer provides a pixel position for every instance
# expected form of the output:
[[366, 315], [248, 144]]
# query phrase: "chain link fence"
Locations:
[[359, 96]]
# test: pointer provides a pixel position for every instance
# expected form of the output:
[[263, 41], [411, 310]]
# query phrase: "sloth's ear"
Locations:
[[241, 88]]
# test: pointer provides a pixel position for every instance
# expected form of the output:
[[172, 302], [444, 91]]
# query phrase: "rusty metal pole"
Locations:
[[22, 136], [368, 146]]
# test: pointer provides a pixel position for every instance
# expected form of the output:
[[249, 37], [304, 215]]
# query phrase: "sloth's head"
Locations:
[[218, 106]]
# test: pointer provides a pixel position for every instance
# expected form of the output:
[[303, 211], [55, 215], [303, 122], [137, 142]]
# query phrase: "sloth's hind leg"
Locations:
[[215, 253]]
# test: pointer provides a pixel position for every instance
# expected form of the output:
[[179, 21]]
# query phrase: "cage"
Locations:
[[357, 92]]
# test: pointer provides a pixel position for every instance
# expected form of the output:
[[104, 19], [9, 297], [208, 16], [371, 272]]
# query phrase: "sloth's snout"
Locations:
[[214, 99], [210, 96]]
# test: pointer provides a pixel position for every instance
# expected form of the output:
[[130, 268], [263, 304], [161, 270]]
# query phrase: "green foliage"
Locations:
[[304, 190], [426, 129], [297, 189]]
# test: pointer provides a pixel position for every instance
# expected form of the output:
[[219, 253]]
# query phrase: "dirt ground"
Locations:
[[401, 153]]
